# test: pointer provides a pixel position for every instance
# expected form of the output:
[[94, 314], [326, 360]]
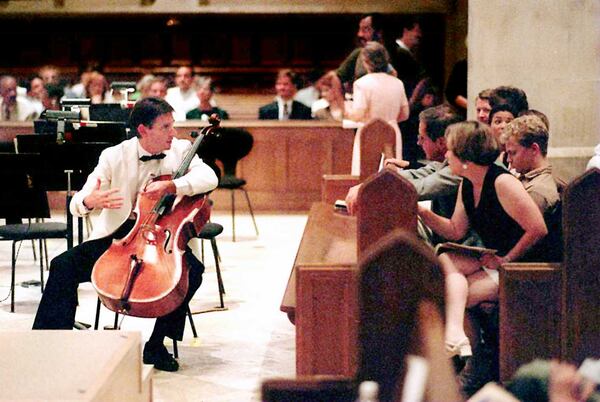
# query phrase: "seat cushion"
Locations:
[[210, 230], [231, 182], [24, 231]]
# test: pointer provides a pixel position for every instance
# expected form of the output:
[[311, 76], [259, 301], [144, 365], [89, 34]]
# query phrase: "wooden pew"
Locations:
[[322, 284], [400, 298], [581, 280], [553, 310], [377, 137]]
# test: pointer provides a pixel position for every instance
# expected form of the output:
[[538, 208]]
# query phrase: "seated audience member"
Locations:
[[182, 97], [506, 95], [97, 88], [492, 202], [376, 95], [13, 107], [331, 104], [552, 381], [500, 116], [49, 74], [482, 106], [434, 181], [142, 87], [204, 90], [55, 94], [157, 88], [78, 90], [595, 161], [37, 94], [285, 107], [526, 142]]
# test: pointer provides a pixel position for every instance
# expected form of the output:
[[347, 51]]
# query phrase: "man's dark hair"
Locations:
[[286, 72], [437, 119], [377, 21], [54, 90], [408, 23], [146, 111], [515, 97], [503, 107]]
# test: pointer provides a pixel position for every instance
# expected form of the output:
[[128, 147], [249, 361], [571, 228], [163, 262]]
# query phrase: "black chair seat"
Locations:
[[210, 231], [24, 231], [231, 182]]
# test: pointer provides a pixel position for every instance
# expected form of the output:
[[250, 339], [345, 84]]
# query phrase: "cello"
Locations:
[[145, 274]]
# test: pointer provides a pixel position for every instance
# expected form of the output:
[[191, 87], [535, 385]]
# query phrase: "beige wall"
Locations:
[[550, 49]]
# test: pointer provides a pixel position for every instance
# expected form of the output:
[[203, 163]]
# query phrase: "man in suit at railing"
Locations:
[[285, 107]]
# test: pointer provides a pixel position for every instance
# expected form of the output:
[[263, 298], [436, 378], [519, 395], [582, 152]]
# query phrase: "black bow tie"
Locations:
[[147, 158]]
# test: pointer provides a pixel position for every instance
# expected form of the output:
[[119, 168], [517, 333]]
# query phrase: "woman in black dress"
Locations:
[[495, 204]]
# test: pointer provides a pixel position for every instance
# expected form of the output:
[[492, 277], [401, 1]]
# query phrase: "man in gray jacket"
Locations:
[[434, 181]]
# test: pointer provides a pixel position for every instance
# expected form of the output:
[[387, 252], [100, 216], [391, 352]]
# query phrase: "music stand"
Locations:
[[78, 160]]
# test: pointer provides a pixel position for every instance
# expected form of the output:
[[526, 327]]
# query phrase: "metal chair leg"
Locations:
[[33, 250], [175, 351], [233, 213], [250, 208], [213, 243], [189, 314], [12, 278], [97, 320], [46, 254], [41, 268]]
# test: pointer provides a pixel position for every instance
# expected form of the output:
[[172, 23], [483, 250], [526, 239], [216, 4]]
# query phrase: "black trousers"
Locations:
[[59, 300]]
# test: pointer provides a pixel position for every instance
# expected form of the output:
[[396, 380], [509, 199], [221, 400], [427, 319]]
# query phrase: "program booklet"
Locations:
[[471, 251]]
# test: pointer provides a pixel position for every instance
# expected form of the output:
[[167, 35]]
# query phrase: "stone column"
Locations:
[[551, 50]]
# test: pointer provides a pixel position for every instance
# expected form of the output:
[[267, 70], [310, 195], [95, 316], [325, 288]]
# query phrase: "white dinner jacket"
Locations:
[[118, 168]]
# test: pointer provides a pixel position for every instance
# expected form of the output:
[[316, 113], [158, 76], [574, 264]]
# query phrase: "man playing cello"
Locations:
[[121, 174]]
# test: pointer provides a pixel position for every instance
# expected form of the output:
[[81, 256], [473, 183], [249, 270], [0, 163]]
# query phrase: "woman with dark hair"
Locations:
[[377, 95], [500, 116], [495, 204]]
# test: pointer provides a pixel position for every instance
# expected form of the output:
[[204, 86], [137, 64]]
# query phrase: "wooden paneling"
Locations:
[[219, 45], [284, 167]]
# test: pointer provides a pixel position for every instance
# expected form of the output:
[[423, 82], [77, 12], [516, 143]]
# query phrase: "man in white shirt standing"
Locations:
[[182, 96], [123, 171]]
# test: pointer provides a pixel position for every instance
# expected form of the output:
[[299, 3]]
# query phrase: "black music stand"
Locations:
[[77, 160], [24, 196]]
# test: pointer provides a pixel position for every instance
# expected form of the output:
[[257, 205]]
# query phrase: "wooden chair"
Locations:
[[377, 137], [400, 298], [231, 146]]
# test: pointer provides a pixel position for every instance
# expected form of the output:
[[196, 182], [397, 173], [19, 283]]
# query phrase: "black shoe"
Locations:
[[160, 358]]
